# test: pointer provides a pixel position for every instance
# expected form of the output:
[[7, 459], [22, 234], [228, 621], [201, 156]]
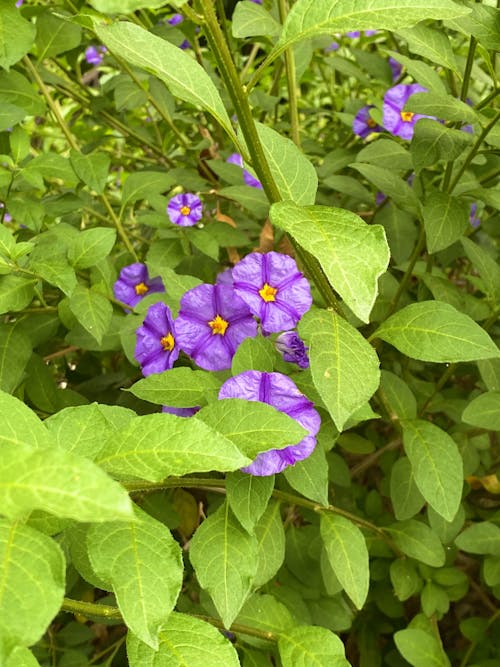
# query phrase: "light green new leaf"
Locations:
[[484, 411], [224, 557], [32, 590], [435, 331], [420, 648], [179, 387], [90, 247], [143, 563], [16, 292], [184, 641], [445, 220], [405, 497], [155, 446], [294, 174], [344, 366], [417, 540], [248, 496], [310, 476], [15, 351], [21, 427], [347, 554], [480, 538], [270, 536], [308, 18], [60, 483], [311, 646], [184, 77], [251, 20], [352, 254], [437, 465], [252, 426], [92, 310], [433, 44], [13, 23]]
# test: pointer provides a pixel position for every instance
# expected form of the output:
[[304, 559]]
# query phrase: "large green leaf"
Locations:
[[179, 387], [435, 331], [310, 476], [154, 446], [444, 107], [15, 351], [352, 254], [143, 563], [184, 77], [420, 648], [90, 247], [433, 141], [32, 590], [433, 44], [445, 220], [417, 540], [55, 35], [348, 556], [250, 20], [254, 427], [15, 292], [124, 6], [16, 89], [264, 612], [92, 310], [248, 496], [480, 538], [20, 425], [344, 367], [92, 169], [484, 411], [224, 557], [184, 641], [436, 464], [12, 23], [293, 173], [311, 646], [270, 535]]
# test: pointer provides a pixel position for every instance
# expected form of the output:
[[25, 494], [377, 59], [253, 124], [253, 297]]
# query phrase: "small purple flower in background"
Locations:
[[396, 121], [186, 44], [281, 392], [6, 216], [95, 54], [396, 68], [19, 3], [212, 323], [235, 158], [474, 219], [292, 348], [156, 349], [176, 19], [363, 124], [357, 33], [273, 288], [134, 284], [379, 198], [334, 46], [185, 209], [180, 412], [257, 2]]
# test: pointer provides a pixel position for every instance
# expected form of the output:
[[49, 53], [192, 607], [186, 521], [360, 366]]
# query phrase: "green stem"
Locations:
[[468, 68], [291, 81]]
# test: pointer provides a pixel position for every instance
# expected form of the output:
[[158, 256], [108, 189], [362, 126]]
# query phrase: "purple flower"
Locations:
[[6, 216], [19, 3], [225, 277], [257, 2], [353, 34], [181, 412], [185, 209], [279, 391], [156, 349], [273, 288], [134, 283], [95, 54], [332, 47], [396, 68], [235, 158], [363, 124], [185, 44], [396, 121], [176, 19], [212, 322], [474, 219], [292, 347]]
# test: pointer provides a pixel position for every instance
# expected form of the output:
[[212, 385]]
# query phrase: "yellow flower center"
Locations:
[[268, 293], [185, 210], [371, 123], [167, 342], [218, 325], [406, 116], [141, 288]]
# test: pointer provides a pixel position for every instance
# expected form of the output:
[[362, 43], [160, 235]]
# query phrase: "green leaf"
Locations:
[[444, 107], [10, 115], [155, 446], [445, 220], [344, 365], [310, 476], [52, 265], [252, 426], [436, 464], [143, 563], [33, 572], [90, 247], [484, 411], [420, 648], [253, 199], [256, 354], [251, 20], [435, 331], [184, 641], [421, 72], [446, 530], [124, 6], [483, 23], [390, 184], [334, 236], [224, 557], [270, 535], [433, 44], [15, 351], [92, 169], [15, 292], [311, 646], [308, 18], [41, 389], [144, 184], [22, 657], [480, 538], [347, 553], [386, 153], [248, 497], [16, 89], [13, 23], [487, 267], [184, 77], [404, 578], [417, 540], [264, 612], [20, 425], [432, 142], [405, 496], [179, 387], [92, 310], [55, 35], [397, 396]]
